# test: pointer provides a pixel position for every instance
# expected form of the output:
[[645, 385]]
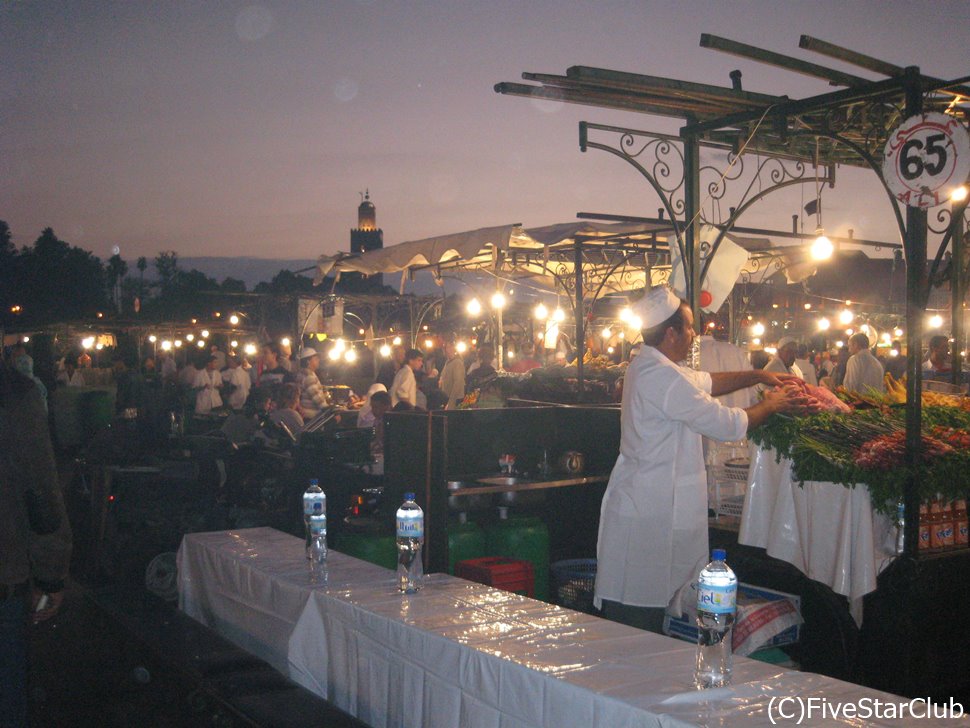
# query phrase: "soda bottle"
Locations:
[[924, 527], [410, 537], [717, 592], [960, 523], [935, 520], [314, 502]]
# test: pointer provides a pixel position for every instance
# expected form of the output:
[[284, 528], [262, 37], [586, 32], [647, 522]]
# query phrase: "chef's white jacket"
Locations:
[[653, 521], [208, 397], [405, 387], [722, 356]]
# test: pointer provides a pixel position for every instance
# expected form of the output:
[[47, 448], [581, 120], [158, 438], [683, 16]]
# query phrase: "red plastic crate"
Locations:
[[512, 575]]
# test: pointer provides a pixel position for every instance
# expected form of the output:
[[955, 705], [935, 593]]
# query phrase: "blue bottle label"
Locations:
[[410, 528], [717, 599]]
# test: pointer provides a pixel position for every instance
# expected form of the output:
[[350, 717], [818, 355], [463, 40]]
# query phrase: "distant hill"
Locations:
[[249, 270]]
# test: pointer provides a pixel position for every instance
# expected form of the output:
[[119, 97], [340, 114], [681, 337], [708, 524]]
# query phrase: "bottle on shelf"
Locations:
[[410, 538], [717, 590], [960, 523], [314, 503]]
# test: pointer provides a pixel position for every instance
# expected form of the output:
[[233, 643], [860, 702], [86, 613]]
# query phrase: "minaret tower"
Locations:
[[367, 236]]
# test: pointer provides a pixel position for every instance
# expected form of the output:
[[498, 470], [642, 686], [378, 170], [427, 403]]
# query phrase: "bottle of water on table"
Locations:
[[314, 503], [410, 537], [717, 591], [318, 539]]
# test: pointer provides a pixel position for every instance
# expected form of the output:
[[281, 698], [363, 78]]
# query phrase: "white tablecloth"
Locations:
[[459, 653], [827, 531]]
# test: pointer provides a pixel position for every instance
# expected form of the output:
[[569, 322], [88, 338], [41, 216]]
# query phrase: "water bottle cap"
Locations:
[[409, 496], [314, 481], [718, 555]]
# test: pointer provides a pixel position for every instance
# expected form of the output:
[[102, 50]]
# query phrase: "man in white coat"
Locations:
[[206, 385], [405, 387], [863, 371], [653, 521]]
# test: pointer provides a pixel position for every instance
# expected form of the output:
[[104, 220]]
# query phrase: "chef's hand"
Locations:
[[790, 400], [774, 379], [54, 600]]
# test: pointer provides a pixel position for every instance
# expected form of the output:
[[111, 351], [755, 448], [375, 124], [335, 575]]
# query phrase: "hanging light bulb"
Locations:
[[474, 307], [607, 332], [498, 300], [758, 329], [461, 347], [936, 321], [626, 313], [541, 312], [558, 315], [822, 247], [824, 324], [385, 351], [396, 341], [959, 194], [350, 356], [846, 317]]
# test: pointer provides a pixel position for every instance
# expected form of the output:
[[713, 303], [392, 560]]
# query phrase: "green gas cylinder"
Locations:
[[522, 537], [364, 539], [466, 540]]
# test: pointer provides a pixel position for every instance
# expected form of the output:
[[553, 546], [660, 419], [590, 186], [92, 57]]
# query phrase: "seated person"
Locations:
[[380, 403], [284, 412]]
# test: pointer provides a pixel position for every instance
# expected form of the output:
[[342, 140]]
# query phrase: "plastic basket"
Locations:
[[574, 580]]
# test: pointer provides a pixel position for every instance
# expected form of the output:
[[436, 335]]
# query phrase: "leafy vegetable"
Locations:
[[827, 447]]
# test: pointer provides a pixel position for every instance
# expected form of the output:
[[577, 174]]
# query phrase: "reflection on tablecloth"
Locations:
[[827, 531], [459, 653]]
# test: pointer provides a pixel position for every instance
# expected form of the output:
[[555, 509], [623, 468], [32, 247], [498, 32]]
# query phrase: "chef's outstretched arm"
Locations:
[[727, 382]]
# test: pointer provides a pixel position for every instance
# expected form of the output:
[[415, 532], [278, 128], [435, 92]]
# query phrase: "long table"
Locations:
[[463, 654], [827, 531]]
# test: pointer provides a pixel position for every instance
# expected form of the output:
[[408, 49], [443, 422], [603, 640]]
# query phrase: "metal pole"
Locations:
[[580, 316], [692, 200], [500, 330], [958, 288], [915, 245]]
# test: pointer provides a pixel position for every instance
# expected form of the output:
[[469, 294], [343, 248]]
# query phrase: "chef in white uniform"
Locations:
[[653, 521]]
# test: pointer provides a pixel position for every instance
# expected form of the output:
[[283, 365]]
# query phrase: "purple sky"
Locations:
[[229, 128]]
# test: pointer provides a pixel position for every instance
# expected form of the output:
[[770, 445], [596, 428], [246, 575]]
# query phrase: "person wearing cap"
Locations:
[[863, 371], [313, 397], [366, 416], [783, 362], [405, 385], [206, 385], [653, 520]]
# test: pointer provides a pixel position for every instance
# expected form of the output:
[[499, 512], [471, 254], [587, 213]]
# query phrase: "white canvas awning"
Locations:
[[477, 247]]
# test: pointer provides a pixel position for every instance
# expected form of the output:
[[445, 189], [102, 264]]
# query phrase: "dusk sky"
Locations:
[[233, 128]]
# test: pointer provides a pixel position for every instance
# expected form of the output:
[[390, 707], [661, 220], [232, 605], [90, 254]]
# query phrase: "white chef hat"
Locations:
[[785, 341], [656, 306]]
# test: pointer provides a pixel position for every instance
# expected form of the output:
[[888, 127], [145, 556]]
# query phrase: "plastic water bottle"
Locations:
[[318, 538], [717, 593], [900, 527], [314, 502], [410, 537]]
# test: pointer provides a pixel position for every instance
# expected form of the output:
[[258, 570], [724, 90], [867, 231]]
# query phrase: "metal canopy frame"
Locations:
[[848, 126]]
